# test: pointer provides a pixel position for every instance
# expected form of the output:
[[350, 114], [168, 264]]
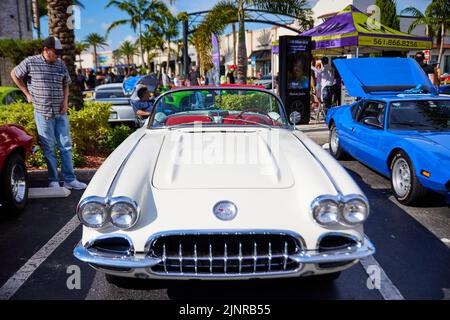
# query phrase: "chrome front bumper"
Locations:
[[144, 263]]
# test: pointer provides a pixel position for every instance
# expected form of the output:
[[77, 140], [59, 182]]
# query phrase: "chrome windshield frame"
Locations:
[[283, 114]]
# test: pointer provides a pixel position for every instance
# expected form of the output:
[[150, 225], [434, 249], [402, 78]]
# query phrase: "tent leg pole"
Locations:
[[357, 52]]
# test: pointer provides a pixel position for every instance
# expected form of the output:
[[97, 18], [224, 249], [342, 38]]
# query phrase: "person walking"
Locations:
[[91, 80], [81, 80], [325, 76], [47, 88], [428, 69], [194, 77]]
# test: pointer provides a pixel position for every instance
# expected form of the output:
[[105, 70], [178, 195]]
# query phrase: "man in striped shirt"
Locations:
[[44, 80]]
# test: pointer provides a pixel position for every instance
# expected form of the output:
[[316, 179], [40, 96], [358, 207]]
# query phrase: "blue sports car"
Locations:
[[400, 126]]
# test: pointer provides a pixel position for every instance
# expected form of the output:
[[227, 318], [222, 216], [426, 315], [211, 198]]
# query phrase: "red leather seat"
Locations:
[[259, 118], [174, 120]]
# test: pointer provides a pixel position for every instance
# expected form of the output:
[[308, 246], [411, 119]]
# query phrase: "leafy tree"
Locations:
[[436, 20], [128, 50], [96, 41], [80, 47], [39, 8], [139, 12], [389, 16], [229, 11], [58, 27]]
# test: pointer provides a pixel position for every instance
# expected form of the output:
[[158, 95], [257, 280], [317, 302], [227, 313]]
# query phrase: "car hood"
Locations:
[[371, 77], [235, 159], [213, 159], [438, 141], [440, 138]]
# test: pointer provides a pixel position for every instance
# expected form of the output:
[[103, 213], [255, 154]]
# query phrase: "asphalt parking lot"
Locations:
[[412, 259]]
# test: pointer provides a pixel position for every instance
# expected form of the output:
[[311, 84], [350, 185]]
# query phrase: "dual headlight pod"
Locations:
[[97, 212], [348, 210]]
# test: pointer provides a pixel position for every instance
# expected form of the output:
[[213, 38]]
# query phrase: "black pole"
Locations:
[[185, 46]]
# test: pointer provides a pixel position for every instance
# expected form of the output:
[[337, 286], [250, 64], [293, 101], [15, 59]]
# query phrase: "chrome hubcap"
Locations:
[[334, 143], [18, 183], [401, 177]]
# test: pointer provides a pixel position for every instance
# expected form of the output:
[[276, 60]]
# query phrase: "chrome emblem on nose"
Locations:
[[225, 210]]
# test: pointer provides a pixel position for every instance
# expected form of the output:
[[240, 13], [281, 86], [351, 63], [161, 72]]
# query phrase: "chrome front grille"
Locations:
[[224, 254]]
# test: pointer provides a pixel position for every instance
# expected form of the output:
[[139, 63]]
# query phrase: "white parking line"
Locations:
[[387, 289], [20, 277]]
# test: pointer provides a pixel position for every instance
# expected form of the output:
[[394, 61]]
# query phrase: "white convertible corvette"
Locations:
[[219, 185]]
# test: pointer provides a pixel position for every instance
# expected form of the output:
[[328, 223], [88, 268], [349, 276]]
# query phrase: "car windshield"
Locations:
[[218, 106], [109, 94], [428, 115]]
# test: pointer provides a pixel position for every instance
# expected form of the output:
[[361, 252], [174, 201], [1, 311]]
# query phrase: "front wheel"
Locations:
[[405, 184], [14, 184], [335, 147]]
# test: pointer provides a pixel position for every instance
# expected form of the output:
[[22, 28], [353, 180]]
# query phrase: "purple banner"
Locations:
[[216, 59], [335, 43], [340, 24]]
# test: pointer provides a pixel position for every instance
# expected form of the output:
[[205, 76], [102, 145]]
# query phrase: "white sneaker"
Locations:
[[54, 184], [75, 184]]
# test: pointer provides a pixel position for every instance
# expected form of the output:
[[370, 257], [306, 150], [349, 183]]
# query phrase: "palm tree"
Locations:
[[128, 50], [58, 27], [39, 8], [117, 55], [388, 9], [96, 41], [81, 47], [436, 20], [138, 11], [152, 40], [228, 11], [170, 32]]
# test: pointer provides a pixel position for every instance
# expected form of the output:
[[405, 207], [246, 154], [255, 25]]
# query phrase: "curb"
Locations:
[[81, 174]]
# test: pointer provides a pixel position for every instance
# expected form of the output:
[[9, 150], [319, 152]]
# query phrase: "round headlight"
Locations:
[[355, 211], [123, 215], [326, 211], [93, 214]]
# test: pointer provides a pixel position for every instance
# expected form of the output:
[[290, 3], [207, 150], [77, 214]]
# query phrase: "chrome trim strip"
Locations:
[[339, 234], [277, 98], [130, 251], [86, 255], [224, 232], [360, 251]]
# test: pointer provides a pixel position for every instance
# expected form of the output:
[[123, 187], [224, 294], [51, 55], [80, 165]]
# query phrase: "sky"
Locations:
[[95, 18]]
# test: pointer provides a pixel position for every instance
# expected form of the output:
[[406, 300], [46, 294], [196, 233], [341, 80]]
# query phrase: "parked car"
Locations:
[[9, 95], [185, 198], [15, 145], [121, 110], [444, 89], [400, 127], [265, 81], [445, 78]]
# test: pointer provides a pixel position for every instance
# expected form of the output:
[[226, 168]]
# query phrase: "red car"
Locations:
[[15, 146]]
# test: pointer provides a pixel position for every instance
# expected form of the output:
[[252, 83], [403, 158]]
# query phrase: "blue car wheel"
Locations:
[[405, 185]]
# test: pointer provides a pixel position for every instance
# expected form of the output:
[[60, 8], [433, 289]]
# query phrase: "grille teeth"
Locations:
[[226, 254]]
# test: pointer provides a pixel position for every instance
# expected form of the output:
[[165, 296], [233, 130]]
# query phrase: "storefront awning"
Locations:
[[261, 55]]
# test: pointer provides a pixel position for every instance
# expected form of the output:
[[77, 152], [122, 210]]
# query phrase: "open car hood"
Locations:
[[369, 77]]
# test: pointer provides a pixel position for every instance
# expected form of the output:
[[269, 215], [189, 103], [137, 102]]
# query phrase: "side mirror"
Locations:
[[295, 117], [373, 122]]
